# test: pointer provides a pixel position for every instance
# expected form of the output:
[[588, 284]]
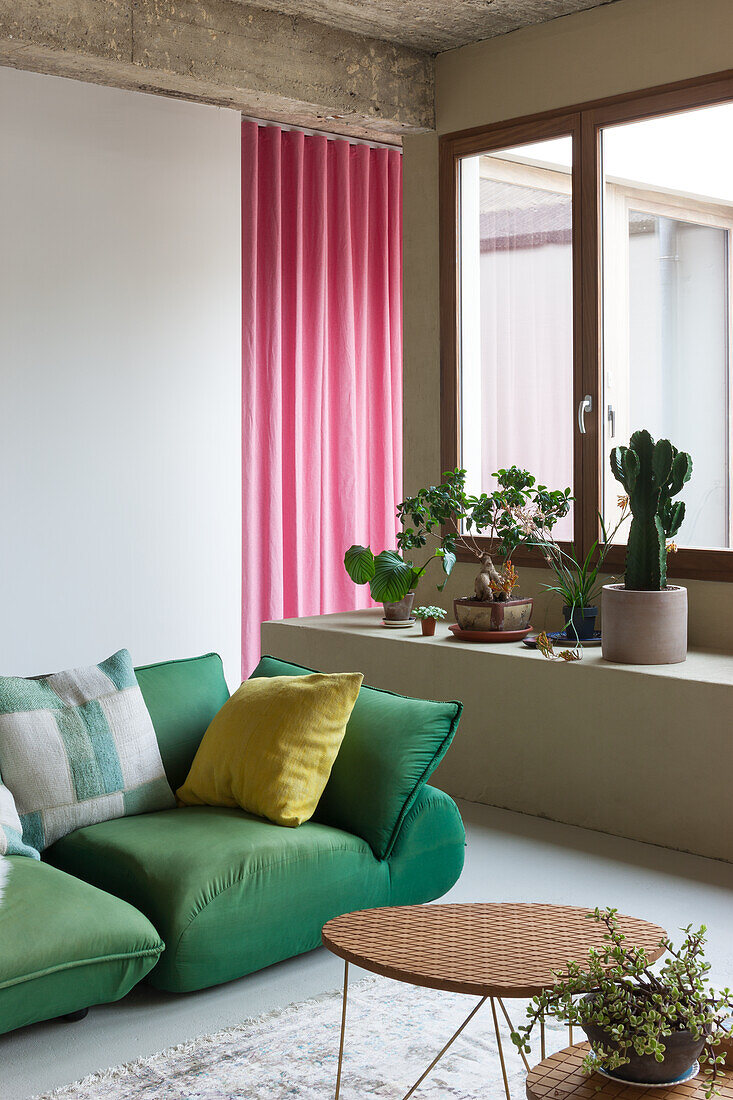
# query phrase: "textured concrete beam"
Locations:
[[262, 62]]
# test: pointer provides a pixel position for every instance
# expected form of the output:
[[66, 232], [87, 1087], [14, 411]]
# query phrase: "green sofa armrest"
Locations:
[[393, 744], [428, 853]]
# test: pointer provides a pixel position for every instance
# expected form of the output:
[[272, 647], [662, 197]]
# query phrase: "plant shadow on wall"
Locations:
[[441, 518], [644, 1026]]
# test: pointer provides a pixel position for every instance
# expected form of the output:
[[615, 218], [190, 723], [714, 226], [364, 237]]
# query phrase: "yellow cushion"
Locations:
[[271, 747]]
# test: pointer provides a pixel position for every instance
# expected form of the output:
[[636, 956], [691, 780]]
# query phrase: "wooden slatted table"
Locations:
[[561, 1077], [493, 950]]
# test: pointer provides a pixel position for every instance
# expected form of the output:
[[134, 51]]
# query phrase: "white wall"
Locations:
[[120, 376]]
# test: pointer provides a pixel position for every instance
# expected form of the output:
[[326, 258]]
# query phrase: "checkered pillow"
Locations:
[[11, 830], [79, 747]]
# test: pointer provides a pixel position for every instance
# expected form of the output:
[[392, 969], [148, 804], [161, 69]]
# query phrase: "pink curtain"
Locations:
[[322, 369]]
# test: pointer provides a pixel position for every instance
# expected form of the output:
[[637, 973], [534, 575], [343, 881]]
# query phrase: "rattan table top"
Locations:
[[497, 949], [561, 1077]]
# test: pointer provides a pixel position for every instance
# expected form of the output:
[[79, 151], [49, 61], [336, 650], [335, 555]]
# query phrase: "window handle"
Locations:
[[585, 406], [611, 414]]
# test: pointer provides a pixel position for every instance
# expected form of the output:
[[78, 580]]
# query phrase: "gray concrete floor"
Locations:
[[509, 857]]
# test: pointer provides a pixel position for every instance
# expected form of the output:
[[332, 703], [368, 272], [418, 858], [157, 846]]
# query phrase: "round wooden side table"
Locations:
[[493, 950], [561, 1077]]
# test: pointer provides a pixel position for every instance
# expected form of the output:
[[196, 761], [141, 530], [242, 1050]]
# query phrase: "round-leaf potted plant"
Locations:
[[392, 576], [645, 1025], [428, 617], [645, 619], [392, 581]]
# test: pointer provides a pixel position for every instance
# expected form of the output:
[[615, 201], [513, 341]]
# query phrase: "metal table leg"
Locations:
[[343, 1032]]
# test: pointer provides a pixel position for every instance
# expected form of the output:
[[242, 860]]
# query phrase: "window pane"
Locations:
[[668, 214], [516, 332]]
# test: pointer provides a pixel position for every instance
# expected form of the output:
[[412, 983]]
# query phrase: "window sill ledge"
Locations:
[[702, 665], [639, 751]]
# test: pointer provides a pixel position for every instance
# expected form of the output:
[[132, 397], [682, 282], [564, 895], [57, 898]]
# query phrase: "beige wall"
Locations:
[[593, 744], [629, 45]]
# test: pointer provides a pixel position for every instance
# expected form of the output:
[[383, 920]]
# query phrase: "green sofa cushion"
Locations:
[[392, 746], [65, 945], [182, 698], [228, 892]]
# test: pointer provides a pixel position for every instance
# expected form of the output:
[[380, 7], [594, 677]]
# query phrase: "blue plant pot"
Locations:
[[580, 623]]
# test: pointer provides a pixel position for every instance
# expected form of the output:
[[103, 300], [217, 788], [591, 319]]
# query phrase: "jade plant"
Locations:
[[619, 995], [441, 518], [429, 612], [652, 474]]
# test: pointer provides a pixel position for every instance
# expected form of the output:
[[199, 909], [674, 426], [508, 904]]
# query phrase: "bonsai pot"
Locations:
[[399, 611], [682, 1049], [580, 622], [492, 614], [428, 627], [644, 628]]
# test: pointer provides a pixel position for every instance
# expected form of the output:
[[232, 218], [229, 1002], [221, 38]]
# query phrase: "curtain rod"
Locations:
[[323, 133]]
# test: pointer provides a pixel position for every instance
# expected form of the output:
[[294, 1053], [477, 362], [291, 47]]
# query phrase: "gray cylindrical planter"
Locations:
[[644, 628], [399, 612]]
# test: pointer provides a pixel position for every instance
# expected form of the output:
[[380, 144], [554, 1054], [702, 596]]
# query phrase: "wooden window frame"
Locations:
[[583, 122]]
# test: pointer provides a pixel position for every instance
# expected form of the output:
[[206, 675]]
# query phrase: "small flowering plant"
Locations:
[[421, 613], [635, 1006]]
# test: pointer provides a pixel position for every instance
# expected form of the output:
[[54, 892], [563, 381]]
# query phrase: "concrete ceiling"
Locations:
[[432, 25]]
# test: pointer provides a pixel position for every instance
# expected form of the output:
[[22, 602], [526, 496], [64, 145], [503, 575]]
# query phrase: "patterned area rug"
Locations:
[[393, 1033]]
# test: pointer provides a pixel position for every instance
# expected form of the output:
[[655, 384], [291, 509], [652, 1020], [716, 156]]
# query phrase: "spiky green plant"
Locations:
[[651, 473]]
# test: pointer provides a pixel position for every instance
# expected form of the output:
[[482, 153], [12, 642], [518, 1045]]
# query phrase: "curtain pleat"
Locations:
[[322, 369]]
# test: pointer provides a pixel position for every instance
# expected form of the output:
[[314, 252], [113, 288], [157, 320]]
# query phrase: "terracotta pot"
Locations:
[[644, 628], [492, 615], [428, 627], [401, 610]]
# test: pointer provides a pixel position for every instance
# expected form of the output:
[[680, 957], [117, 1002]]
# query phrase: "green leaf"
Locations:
[[449, 561], [676, 517], [662, 456], [393, 578], [617, 464], [632, 467], [681, 472], [359, 563]]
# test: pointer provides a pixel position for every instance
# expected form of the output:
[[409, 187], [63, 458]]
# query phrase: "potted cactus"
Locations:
[[645, 619]]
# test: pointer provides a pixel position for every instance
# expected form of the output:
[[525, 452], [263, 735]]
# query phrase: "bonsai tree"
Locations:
[[651, 474], [505, 516], [628, 1010], [446, 516]]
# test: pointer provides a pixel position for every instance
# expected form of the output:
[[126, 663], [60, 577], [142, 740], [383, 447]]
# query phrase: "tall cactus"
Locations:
[[651, 473]]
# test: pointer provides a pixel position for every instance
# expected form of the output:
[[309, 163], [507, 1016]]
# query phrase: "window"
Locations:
[[587, 292], [516, 310], [667, 220]]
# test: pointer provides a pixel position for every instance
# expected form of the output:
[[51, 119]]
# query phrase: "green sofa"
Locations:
[[196, 896]]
